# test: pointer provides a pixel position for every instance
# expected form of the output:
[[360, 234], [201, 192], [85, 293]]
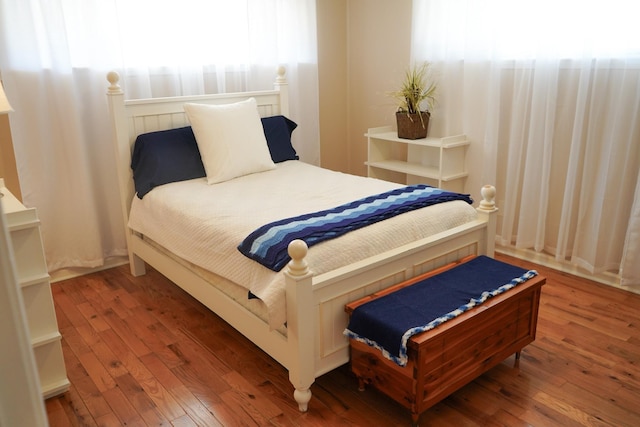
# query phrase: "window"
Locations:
[[517, 29]]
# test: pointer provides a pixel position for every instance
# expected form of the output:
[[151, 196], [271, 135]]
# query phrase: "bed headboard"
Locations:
[[129, 118]]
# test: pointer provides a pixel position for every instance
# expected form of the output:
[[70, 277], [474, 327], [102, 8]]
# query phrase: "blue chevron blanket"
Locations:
[[387, 323], [268, 244]]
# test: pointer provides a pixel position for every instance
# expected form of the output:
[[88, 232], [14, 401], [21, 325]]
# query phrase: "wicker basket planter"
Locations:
[[410, 126]]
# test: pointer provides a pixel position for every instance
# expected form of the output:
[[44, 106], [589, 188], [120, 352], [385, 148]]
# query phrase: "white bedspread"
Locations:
[[205, 223]]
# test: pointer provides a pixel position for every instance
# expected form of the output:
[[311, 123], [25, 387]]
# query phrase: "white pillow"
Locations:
[[230, 139]]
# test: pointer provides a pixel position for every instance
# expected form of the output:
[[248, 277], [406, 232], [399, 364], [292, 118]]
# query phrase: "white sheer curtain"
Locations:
[[551, 92], [54, 56]]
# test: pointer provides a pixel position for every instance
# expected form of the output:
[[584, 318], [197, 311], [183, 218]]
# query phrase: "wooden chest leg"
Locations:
[[516, 362]]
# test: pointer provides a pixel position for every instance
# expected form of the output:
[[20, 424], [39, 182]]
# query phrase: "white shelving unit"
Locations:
[[434, 161], [34, 282]]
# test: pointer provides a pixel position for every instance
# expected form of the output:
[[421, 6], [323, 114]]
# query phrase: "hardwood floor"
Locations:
[[139, 351]]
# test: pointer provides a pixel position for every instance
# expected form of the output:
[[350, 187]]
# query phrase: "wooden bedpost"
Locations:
[[115, 97], [488, 209], [282, 86], [300, 323]]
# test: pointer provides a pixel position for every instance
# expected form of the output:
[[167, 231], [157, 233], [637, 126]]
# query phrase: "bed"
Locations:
[[296, 314]]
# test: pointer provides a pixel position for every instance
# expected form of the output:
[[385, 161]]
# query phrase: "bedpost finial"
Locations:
[[281, 71], [488, 193], [298, 251], [113, 77]]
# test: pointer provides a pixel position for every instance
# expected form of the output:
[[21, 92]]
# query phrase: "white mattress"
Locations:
[[205, 223]]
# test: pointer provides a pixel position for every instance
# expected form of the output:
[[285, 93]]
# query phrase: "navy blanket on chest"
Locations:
[[388, 322], [268, 244]]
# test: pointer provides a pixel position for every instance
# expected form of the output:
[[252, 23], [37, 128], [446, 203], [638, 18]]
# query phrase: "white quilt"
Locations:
[[205, 223]]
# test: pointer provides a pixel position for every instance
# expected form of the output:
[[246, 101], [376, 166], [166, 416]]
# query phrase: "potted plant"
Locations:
[[417, 91]]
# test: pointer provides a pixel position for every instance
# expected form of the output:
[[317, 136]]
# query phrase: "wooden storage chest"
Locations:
[[454, 353]]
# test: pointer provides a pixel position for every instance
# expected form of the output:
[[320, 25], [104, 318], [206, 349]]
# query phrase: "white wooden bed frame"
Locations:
[[314, 342]]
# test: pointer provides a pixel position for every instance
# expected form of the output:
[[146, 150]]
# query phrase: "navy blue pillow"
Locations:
[[163, 157], [172, 155], [278, 130]]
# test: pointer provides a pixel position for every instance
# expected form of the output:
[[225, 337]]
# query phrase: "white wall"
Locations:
[[364, 50], [379, 44], [332, 76]]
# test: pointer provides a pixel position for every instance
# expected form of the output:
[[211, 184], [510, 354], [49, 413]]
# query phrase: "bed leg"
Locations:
[[136, 264], [302, 397]]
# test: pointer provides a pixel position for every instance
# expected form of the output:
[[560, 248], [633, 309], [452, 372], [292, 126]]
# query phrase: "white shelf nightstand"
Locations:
[[33, 279], [434, 161]]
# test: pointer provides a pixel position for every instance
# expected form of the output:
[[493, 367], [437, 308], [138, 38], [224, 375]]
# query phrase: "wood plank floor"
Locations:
[[139, 351]]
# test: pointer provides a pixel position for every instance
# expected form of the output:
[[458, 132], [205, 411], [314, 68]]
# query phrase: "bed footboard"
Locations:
[[315, 304]]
